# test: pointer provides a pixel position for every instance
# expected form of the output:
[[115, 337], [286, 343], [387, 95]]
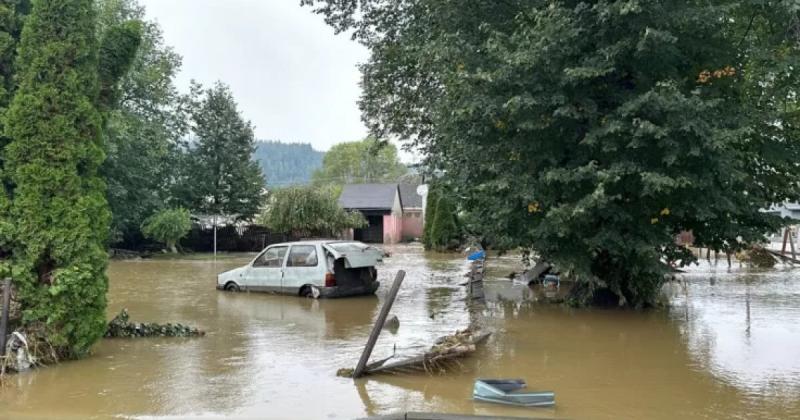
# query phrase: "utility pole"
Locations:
[[215, 237]]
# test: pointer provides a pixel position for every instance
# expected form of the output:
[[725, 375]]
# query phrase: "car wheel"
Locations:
[[232, 287], [309, 292]]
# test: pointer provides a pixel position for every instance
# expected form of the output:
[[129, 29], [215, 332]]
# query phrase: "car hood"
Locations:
[[355, 254], [229, 275]]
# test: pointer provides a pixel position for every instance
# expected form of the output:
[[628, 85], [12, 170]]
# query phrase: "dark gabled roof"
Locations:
[[368, 196], [409, 196]]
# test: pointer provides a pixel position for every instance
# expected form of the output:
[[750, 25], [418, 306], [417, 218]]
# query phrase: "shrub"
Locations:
[[168, 226]]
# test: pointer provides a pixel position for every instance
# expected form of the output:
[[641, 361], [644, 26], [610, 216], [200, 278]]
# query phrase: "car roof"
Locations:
[[312, 242]]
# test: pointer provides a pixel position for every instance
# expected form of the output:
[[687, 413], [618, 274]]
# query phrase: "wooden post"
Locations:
[[472, 272], [376, 329], [728, 254], [791, 242], [785, 239], [4, 317]]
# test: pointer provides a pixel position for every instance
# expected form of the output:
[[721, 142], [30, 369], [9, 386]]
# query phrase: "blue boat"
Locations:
[[506, 391]]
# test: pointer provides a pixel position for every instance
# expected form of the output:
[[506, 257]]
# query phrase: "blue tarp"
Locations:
[[479, 255]]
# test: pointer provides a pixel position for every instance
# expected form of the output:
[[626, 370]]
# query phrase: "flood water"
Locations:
[[729, 347]]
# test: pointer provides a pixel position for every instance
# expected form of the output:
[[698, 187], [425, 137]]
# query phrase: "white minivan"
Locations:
[[308, 268]]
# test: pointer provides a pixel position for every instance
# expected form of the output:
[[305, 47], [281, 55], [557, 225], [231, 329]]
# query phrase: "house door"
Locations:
[[372, 233]]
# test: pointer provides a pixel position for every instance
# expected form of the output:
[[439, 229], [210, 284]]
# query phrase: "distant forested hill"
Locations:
[[286, 164]]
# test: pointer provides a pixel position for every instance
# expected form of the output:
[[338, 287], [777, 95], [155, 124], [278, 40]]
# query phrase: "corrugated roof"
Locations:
[[409, 196], [368, 196]]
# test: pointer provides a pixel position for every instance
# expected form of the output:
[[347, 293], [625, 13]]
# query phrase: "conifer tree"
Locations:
[[56, 219]]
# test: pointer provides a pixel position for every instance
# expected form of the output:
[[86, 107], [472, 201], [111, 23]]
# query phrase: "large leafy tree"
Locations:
[[365, 161], [593, 132], [308, 212], [55, 217], [144, 131], [221, 176]]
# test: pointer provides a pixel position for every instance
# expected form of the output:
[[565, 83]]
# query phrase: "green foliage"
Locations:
[[593, 131], [168, 226], [57, 219], [444, 233], [118, 49], [359, 162], [430, 215], [143, 133], [308, 212], [285, 164], [221, 176], [12, 14]]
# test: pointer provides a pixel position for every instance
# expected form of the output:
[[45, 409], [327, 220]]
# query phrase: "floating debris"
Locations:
[[509, 392], [441, 357], [392, 324], [121, 327], [760, 257]]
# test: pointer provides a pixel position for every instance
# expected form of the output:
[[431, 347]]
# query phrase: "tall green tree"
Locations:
[[593, 132], [12, 14], [360, 162], [57, 218], [443, 230], [430, 215], [222, 176], [144, 132]]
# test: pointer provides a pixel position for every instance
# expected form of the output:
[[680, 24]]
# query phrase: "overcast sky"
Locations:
[[292, 77]]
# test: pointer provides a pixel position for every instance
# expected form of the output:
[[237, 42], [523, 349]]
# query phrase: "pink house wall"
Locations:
[[412, 225], [392, 229]]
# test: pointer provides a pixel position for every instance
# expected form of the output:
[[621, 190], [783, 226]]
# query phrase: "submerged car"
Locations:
[[308, 268]]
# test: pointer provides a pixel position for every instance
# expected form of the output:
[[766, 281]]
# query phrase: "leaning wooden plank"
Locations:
[[783, 257], [376, 329]]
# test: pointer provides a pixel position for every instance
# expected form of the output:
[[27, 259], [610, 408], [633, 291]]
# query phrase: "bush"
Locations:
[[168, 226]]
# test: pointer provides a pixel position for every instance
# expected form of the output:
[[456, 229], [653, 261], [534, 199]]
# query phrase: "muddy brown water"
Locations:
[[729, 347]]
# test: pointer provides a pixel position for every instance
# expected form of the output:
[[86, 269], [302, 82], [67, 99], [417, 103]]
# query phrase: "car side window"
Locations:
[[273, 257], [303, 256]]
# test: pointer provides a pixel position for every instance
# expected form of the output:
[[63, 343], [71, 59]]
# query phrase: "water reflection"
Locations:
[[743, 328]]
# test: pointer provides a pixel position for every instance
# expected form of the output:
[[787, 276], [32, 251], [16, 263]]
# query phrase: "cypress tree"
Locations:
[[58, 219], [443, 228], [430, 215]]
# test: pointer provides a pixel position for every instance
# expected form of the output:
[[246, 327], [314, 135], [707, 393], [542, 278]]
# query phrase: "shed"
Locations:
[[381, 205]]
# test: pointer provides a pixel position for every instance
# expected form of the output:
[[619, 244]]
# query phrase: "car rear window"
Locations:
[[303, 256], [346, 247]]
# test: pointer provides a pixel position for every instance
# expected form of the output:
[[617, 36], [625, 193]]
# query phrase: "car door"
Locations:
[[266, 272], [302, 267]]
